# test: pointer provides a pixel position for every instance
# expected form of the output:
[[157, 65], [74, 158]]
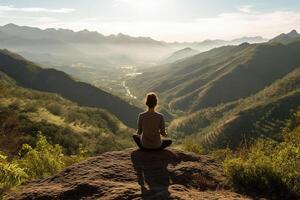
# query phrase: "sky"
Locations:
[[167, 20]]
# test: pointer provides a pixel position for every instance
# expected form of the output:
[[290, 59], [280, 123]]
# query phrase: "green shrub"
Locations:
[[11, 174], [32, 163], [189, 144], [269, 168], [54, 108], [222, 154], [255, 175], [43, 160]]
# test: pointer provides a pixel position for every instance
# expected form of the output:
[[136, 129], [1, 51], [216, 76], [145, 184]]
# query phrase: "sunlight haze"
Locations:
[[167, 20]]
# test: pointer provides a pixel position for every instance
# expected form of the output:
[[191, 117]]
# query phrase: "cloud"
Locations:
[[227, 25], [246, 8], [224, 26], [35, 9]]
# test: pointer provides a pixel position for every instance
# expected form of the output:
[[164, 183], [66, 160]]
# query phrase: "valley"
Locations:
[[112, 80], [190, 83], [81, 96]]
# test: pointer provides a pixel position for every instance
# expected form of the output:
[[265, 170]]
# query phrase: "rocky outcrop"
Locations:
[[134, 174]]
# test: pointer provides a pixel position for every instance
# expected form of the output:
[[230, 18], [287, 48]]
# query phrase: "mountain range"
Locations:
[[220, 102], [223, 94], [190, 83], [210, 44], [63, 46], [286, 37], [82, 46]]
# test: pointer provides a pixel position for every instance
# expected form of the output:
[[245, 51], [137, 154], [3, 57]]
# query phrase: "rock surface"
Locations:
[[134, 174]]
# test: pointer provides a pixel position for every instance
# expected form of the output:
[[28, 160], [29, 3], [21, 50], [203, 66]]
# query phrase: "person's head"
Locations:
[[151, 100]]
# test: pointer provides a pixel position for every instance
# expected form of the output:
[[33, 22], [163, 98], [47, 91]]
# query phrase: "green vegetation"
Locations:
[[269, 167], [264, 167], [25, 113], [221, 75], [31, 163], [189, 144], [70, 133], [234, 103], [43, 160], [229, 125], [30, 75], [10, 174]]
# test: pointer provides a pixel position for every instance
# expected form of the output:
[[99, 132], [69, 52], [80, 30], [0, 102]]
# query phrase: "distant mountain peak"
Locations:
[[122, 35], [188, 49], [293, 34], [287, 37], [181, 54], [10, 25]]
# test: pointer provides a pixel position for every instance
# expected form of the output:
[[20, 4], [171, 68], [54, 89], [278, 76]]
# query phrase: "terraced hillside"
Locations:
[[260, 115]]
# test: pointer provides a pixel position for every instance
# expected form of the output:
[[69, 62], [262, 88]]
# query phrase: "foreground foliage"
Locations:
[[25, 112], [11, 174], [32, 163], [189, 144], [269, 167]]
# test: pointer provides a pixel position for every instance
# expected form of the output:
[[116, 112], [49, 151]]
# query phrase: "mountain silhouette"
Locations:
[[96, 49], [286, 38], [68, 46], [180, 54]]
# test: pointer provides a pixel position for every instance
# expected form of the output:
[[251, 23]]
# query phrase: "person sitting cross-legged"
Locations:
[[151, 125]]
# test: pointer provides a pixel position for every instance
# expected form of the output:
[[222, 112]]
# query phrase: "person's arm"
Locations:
[[162, 129], [140, 127]]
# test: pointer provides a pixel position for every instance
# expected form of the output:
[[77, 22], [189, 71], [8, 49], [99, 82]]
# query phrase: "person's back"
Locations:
[[150, 126]]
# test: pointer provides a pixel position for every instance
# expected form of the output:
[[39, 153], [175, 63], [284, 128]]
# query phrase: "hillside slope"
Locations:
[[180, 54], [24, 113], [286, 38], [260, 115], [219, 76], [134, 174], [29, 75]]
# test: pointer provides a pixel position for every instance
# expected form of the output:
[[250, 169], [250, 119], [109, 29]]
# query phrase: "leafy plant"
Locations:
[[269, 167], [41, 161], [11, 174]]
